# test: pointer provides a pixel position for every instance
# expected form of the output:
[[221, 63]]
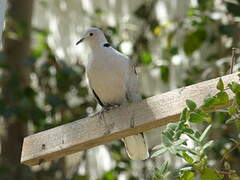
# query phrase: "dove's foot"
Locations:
[[101, 116], [107, 108], [101, 113], [111, 107]]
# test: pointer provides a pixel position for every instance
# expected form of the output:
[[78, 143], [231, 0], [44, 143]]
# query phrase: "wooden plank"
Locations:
[[91, 131]]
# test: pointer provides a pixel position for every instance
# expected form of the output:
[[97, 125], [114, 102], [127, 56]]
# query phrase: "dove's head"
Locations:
[[93, 36]]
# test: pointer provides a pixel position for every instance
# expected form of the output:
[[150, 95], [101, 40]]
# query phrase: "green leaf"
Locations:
[[197, 134], [188, 131], [184, 115], [204, 114], [159, 152], [209, 102], [181, 148], [166, 141], [181, 125], [195, 118], [238, 98], [220, 85], [211, 174], [191, 105], [161, 173], [177, 135], [193, 152], [146, 58], [193, 138], [235, 87], [205, 133], [157, 175], [221, 98], [187, 158], [187, 175], [172, 126], [160, 146], [169, 134], [232, 110], [41, 44], [109, 175], [186, 169], [163, 167], [180, 141], [230, 121], [164, 72], [208, 144], [172, 150], [234, 140]]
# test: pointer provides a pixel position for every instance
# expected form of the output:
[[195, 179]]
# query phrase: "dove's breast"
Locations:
[[107, 77]]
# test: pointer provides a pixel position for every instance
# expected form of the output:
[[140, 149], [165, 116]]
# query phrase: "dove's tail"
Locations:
[[136, 147]]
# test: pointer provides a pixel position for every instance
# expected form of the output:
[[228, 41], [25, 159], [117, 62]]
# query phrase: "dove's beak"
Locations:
[[81, 40]]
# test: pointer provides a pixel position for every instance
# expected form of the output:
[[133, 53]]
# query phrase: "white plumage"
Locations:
[[113, 81]]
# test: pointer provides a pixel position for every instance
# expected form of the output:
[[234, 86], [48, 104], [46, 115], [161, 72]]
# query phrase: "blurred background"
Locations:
[[42, 82]]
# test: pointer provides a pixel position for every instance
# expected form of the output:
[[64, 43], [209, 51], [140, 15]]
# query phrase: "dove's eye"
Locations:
[[91, 34]]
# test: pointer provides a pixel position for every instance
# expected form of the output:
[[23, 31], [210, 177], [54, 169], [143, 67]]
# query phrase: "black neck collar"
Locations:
[[106, 44]]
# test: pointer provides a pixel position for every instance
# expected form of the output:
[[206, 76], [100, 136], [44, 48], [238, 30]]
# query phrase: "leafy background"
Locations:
[[172, 43]]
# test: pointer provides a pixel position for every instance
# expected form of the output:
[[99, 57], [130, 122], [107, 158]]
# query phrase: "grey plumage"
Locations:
[[114, 81]]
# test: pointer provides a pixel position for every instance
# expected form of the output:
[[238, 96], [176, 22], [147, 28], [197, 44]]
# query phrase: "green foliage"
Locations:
[[161, 172], [143, 10], [220, 85], [194, 40], [234, 8], [187, 175], [110, 175], [191, 105], [196, 157], [54, 100], [211, 174], [196, 117], [205, 133], [41, 45], [78, 177], [235, 87], [164, 72], [146, 58], [220, 98]]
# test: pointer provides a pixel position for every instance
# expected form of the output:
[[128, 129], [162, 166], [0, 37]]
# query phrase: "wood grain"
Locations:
[[88, 132]]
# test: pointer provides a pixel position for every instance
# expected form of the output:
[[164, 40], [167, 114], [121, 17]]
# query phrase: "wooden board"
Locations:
[[88, 132]]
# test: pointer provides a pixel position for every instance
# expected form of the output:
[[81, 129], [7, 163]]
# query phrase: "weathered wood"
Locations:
[[91, 131]]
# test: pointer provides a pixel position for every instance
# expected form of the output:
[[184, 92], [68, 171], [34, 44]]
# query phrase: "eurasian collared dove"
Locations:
[[113, 81]]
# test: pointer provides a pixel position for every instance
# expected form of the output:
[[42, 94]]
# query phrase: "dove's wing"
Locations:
[[133, 93], [136, 145]]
